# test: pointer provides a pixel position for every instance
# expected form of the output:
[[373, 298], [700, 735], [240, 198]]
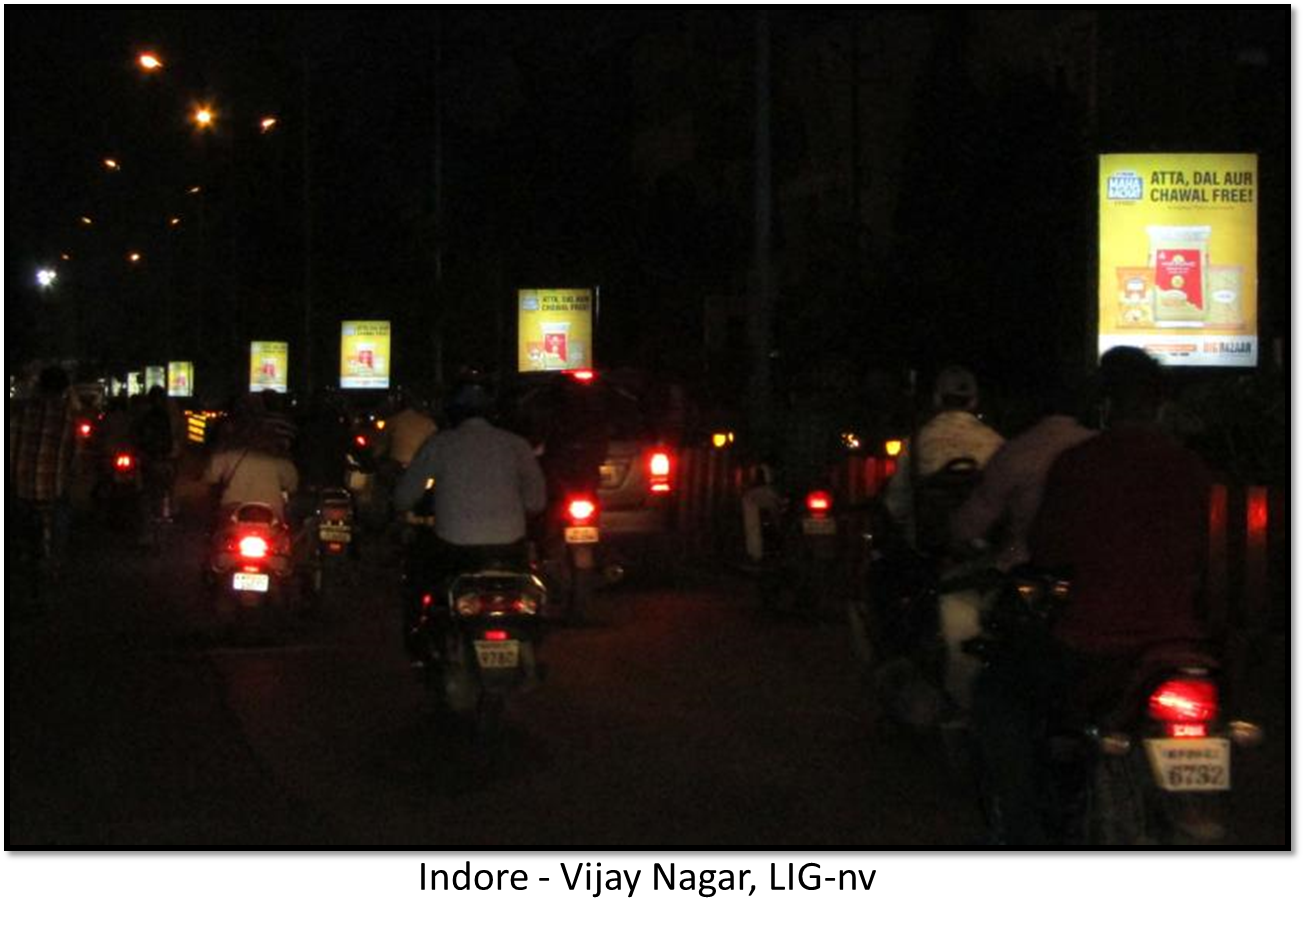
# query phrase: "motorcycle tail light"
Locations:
[[496, 635], [253, 547], [360, 440], [124, 462], [1184, 701], [819, 503], [581, 509], [84, 429], [427, 599]]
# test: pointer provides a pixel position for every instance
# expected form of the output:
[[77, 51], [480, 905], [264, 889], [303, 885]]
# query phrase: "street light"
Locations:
[[45, 277], [150, 62], [134, 257], [268, 123], [86, 220], [112, 164], [203, 116]]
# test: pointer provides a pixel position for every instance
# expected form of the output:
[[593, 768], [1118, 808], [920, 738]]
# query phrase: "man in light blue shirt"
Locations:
[[485, 481]]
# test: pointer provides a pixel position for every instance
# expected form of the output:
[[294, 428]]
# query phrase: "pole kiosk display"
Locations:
[[269, 366], [1179, 257], [181, 379], [155, 376], [364, 355], [554, 329]]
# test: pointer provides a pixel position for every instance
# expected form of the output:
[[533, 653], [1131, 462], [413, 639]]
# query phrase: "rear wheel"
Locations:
[[582, 580]]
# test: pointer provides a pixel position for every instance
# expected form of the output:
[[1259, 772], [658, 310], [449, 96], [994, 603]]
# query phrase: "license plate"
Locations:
[[250, 581], [498, 654], [819, 526], [1195, 764], [581, 535], [608, 475], [335, 535]]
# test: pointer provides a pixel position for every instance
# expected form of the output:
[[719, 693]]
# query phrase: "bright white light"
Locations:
[[45, 277]]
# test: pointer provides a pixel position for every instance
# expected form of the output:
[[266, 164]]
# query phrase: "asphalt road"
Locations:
[[680, 717]]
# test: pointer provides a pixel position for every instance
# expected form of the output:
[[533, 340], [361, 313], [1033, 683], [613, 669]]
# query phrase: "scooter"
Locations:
[[476, 636], [250, 562]]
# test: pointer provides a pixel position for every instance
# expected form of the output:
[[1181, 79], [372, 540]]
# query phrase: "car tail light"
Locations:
[[124, 462], [1184, 702], [659, 467], [819, 503], [581, 509], [253, 547], [583, 376]]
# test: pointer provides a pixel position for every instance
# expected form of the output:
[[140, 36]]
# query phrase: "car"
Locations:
[[599, 434]]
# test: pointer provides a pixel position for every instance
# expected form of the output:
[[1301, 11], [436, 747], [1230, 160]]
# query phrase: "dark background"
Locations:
[[933, 180]]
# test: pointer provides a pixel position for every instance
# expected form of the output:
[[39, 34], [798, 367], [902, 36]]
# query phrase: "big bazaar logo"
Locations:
[[1228, 347]]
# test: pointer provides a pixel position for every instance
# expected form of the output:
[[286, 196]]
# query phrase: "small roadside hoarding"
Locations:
[[269, 366], [554, 329], [364, 355], [155, 376], [1178, 270], [181, 379]]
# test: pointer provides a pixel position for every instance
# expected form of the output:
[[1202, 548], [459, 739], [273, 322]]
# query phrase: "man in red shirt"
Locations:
[[1124, 516]]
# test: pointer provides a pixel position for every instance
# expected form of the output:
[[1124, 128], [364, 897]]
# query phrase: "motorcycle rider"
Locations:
[[1124, 514], [1009, 492], [246, 470], [156, 441], [953, 433], [485, 483], [407, 428]]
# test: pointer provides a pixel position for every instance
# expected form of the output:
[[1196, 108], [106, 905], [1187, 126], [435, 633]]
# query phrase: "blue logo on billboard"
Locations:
[[1125, 185]]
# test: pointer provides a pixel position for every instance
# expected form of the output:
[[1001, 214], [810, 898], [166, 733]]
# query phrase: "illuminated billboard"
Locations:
[[269, 366], [554, 329], [1179, 257], [364, 355], [155, 376], [181, 378]]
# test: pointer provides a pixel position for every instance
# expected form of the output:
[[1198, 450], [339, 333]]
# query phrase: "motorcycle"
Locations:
[[250, 562], [802, 568], [476, 636], [334, 531], [120, 487], [1139, 757], [571, 563]]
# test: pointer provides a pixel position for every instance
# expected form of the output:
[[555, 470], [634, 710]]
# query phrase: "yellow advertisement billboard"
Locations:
[[554, 329], [1179, 257], [269, 366], [364, 355], [181, 378]]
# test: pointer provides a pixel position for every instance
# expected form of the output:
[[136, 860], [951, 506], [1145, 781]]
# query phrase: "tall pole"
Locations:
[[437, 212], [762, 307], [307, 227]]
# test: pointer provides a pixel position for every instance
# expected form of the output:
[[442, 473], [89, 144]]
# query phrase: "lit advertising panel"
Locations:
[[1179, 257], [269, 366], [364, 355], [554, 329], [155, 376], [181, 379]]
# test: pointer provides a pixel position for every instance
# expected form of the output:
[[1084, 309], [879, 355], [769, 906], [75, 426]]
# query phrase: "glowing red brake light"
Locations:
[[659, 464], [253, 547], [497, 635], [84, 429], [1184, 701], [360, 440], [583, 376], [581, 509], [124, 461], [819, 502]]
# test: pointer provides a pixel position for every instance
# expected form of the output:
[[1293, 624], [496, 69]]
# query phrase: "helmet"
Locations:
[[955, 388]]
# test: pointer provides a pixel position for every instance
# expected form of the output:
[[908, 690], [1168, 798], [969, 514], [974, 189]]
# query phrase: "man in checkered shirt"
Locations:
[[41, 448]]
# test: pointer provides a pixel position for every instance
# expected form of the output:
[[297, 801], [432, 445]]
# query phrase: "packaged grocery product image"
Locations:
[[1135, 296], [1180, 257], [1225, 297]]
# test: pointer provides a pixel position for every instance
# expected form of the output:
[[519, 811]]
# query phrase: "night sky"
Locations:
[[613, 148]]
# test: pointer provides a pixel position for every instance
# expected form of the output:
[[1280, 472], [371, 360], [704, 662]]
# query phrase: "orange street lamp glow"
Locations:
[[193, 190], [149, 61], [203, 117], [134, 257], [65, 256], [86, 220], [268, 123], [111, 164], [174, 221]]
